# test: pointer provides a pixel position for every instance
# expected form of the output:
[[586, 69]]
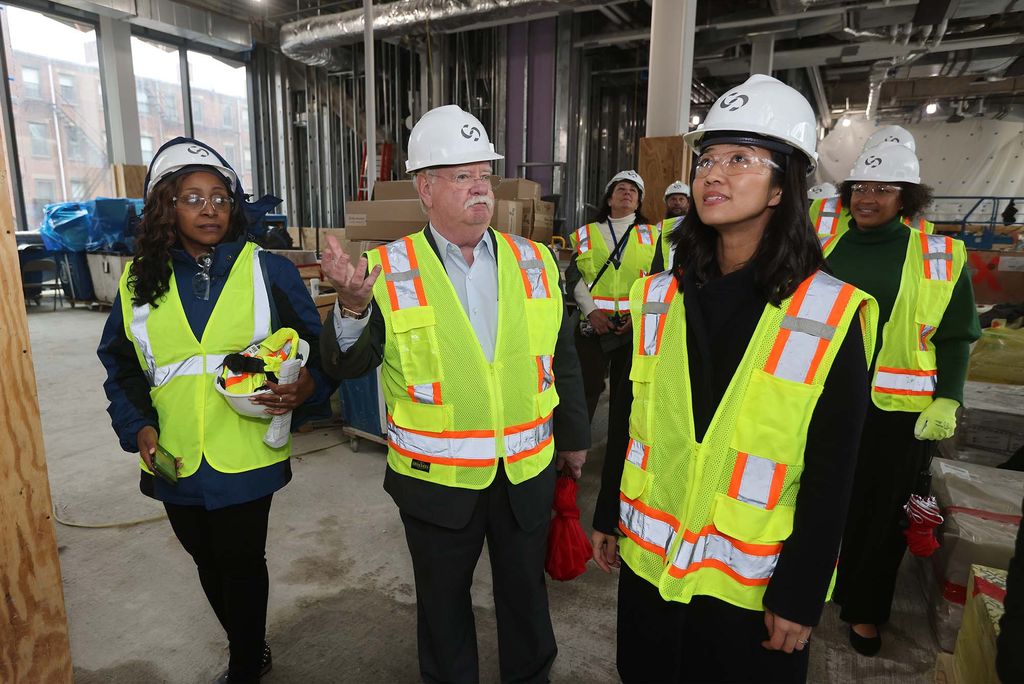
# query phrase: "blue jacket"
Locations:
[[127, 389]]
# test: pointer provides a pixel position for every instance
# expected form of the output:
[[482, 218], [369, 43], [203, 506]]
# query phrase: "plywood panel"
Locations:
[[662, 161], [129, 180], [33, 626]]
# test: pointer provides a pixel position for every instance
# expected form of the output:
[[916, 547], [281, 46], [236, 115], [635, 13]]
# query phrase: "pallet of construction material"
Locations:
[[993, 418], [974, 659], [982, 510]]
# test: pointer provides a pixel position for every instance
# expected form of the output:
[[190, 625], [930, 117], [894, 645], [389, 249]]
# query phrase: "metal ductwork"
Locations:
[[880, 72], [310, 40]]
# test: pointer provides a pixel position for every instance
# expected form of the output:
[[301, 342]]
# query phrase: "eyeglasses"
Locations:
[[735, 164], [465, 180], [201, 280], [198, 202], [883, 190]]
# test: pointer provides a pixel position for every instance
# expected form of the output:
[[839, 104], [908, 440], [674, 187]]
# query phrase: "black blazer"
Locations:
[[452, 507]]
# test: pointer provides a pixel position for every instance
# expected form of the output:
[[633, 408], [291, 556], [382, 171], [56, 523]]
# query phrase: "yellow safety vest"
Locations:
[[711, 518], [831, 219], [451, 413], [665, 229], [195, 420], [906, 374], [611, 293]]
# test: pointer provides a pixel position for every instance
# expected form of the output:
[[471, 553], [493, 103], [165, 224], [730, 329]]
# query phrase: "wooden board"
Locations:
[[129, 180], [662, 162], [34, 643]]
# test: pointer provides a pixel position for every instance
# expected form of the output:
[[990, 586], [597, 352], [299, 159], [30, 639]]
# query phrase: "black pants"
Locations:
[[706, 640], [889, 465], [228, 546], [443, 561], [595, 362]]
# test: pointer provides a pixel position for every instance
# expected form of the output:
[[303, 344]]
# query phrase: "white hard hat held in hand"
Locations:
[[890, 134], [446, 136], [822, 191], [891, 163], [631, 176], [766, 108], [678, 188]]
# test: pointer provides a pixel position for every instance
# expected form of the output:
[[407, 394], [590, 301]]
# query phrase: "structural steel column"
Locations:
[[671, 67], [369, 76], [762, 54], [121, 107]]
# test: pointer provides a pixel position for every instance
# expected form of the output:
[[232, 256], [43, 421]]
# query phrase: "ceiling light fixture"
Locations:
[[931, 108], [694, 120]]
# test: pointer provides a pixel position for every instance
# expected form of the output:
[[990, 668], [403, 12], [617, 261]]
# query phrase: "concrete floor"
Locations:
[[342, 601]]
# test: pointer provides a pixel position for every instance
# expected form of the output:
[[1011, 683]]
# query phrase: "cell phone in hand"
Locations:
[[165, 465]]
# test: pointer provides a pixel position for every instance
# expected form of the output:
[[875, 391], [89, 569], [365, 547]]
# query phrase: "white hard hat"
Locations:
[[446, 136], [631, 176], [240, 402], [182, 153], [678, 188], [890, 134], [891, 163], [822, 191], [767, 108]]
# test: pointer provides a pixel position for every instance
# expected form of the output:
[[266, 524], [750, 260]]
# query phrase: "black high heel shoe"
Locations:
[[866, 646]]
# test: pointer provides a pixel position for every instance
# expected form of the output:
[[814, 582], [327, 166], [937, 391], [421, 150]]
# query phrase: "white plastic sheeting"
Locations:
[[979, 157]]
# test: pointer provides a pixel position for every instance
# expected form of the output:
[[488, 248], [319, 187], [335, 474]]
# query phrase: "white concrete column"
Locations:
[[122, 110], [671, 67], [762, 54]]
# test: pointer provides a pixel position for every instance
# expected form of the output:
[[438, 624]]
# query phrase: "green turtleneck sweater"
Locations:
[[872, 260]]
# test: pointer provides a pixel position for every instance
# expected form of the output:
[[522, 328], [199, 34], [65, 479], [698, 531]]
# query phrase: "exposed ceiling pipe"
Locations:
[[880, 72], [310, 40], [908, 29]]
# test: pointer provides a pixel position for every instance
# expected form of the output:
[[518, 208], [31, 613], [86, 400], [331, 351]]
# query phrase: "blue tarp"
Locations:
[[99, 225]]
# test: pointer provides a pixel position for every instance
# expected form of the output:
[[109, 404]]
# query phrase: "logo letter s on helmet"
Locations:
[[471, 133], [729, 102], [873, 162]]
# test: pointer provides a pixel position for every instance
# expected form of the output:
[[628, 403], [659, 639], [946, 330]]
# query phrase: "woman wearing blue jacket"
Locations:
[[196, 291]]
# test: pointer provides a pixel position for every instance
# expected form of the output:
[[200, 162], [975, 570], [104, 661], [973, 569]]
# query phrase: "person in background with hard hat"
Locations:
[[927, 321], [610, 254], [748, 367], [677, 204], [197, 291], [831, 217], [484, 396]]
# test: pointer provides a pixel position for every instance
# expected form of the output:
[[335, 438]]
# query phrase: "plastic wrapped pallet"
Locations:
[[975, 655], [998, 357]]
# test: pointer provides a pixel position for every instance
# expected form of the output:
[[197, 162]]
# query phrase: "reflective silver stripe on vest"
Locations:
[[829, 217], [140, 317], [939, 257], [808, 327], [261, 301], [637, 452], [583, 239], [655, 306], [609, 303], [756, 479], [521, 442], [532, 265], [401, 275], [546, 375], [902, 381], [711, 546], [653, 533], [424, 393], [193, 365], [644, 234], [442, 446]]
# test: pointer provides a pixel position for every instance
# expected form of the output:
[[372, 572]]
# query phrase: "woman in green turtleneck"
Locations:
[[927, 320]]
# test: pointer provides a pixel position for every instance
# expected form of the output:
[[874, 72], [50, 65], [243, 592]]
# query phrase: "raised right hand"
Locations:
[[599, 321], [146, 439], [606, 550], [354, 290]]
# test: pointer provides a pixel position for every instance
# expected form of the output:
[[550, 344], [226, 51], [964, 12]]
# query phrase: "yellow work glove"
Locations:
[[938, 421]]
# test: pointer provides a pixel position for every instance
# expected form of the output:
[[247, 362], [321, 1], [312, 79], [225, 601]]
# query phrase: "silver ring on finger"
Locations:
[[803, 642]]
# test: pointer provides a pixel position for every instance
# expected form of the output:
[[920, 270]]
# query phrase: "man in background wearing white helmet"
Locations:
[[677, 203], [610, 254], [677, 199], [927, 322], [481, 390]]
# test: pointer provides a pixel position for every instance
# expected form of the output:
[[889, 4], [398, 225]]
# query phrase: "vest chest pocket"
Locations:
[[932, 299], [640, 415], [748, 523], [774, 417], [415, 331], [542, 324]]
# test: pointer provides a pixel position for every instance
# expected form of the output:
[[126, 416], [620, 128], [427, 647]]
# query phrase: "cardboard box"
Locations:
[[508, 217], [993, 418], [383, 219], [997, 276], [538, 220], [395, 190], [517, 189], [974, 659]]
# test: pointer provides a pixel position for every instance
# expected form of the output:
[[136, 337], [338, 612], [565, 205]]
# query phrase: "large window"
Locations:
[[57, 108], [158, 89], [220, 109]]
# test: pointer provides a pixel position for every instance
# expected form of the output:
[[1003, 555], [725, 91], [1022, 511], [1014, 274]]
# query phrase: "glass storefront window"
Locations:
[[220, 110], [57, 110], [158, 93]]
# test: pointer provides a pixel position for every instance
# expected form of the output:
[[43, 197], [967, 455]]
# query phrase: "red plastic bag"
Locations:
[[922, 518], [568, 545]]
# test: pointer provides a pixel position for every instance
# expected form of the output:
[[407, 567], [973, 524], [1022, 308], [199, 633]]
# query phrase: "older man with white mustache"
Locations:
[[484, 396]]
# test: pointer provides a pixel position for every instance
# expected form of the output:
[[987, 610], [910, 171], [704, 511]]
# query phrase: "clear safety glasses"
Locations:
[[875, 188], [734, 164], [464, 180]]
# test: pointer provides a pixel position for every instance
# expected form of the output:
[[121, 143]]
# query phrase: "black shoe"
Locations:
[[266, 665], [866, 646]]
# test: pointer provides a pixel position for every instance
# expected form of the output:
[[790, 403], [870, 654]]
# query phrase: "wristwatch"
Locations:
[[349, 313]]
